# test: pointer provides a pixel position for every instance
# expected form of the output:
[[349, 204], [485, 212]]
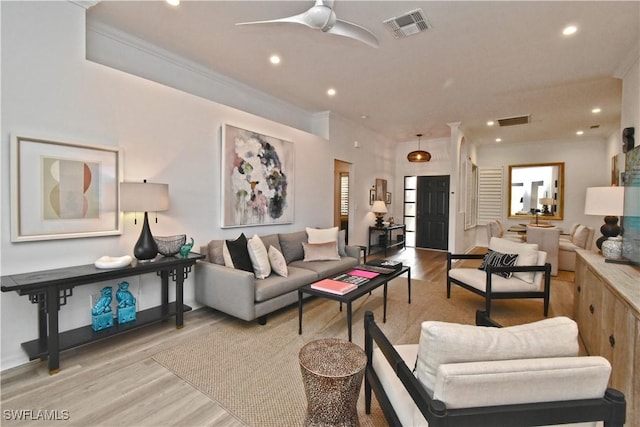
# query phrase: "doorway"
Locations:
[[341, 196], [432, 212]]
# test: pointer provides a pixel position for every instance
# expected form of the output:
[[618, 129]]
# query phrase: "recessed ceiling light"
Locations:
[[274, 59], [331, 92], [490, 123], [498, 139], [173, 2], [569, 30], [596, 110], [364, 116], [579, 132]]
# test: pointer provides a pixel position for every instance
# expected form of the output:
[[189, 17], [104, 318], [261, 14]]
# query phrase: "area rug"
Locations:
[[253, 370]]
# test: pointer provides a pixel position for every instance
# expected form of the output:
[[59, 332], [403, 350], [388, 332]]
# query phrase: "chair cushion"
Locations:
[[498, 259], [527, 255], [442, 342]]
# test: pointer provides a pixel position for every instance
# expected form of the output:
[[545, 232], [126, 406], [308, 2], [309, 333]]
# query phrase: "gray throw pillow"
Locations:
[[291, 245]]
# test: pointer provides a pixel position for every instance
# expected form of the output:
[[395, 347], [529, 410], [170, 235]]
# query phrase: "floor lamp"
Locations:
[[144, 197], [607, 201]]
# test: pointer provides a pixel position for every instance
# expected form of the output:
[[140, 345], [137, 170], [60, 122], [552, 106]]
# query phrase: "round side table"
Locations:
[[332, 373]]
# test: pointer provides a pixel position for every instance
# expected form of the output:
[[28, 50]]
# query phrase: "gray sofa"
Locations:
[[240, 294]]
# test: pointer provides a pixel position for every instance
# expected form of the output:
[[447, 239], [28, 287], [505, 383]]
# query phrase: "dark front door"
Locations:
[[432, 212]]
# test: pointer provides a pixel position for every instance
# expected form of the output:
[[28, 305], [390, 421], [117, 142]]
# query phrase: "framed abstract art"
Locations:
[[63, 189], [257, 178]]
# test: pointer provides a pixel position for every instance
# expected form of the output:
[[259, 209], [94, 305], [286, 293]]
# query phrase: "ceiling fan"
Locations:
[[322, 17]]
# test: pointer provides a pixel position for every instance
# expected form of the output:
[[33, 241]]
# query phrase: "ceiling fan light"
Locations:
[[419, 156]]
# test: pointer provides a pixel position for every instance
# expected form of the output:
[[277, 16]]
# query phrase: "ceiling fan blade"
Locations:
[[354, 31], [296, 19]]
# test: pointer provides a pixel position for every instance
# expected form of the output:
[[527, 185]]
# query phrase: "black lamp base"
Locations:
[[379, 221], [610, 228], [145, 249]]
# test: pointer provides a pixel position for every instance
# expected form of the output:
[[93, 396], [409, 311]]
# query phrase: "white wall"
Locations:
[[586, 164], [166, 135]]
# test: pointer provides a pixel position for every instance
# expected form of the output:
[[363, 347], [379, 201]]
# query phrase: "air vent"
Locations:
[[594, 127], [513, 121], [410, 23]]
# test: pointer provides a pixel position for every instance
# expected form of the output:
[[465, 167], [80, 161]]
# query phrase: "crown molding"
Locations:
[[85, 4]]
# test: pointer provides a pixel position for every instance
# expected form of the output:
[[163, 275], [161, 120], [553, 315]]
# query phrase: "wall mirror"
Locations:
[[536, 189]]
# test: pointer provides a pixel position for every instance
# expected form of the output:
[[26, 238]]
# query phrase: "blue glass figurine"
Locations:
[[101, 316], [185, 249], [126, 303]]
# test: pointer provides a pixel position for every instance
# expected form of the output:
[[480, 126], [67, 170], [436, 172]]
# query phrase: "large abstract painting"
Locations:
[[257, 179], [63, 190]]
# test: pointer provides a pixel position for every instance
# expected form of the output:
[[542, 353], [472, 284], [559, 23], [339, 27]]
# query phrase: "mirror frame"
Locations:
[[559, 213]]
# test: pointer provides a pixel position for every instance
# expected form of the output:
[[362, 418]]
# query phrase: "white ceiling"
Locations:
[[480, 61]]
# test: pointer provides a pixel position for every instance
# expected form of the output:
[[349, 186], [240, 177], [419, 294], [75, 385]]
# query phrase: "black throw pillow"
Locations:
[[498, 259], [239, 253]]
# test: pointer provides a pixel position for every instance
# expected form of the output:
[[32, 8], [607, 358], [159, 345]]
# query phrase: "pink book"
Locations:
[[334, 286], [364, 273]]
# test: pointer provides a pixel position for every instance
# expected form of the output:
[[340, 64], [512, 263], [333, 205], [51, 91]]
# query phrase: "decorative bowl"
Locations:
[[170, 245]]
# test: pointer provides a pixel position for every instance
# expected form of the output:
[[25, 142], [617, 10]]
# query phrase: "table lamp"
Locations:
[[379, 209], [144, 197], [546, 202], [607, 201]]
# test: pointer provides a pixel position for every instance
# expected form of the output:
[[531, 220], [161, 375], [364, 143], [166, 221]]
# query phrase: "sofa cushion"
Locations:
[[342, 245], [527, 255], [236, 254], [498, 259], [259, 257], [580, 236], [275, 286], [277, 261], [321, 251], [271, 240], [291, 244], [327, 268], [214, 251], [442, 342]]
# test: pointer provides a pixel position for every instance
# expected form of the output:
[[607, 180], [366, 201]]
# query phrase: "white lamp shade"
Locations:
[[379, 207], [547, 201], [604, 201], [143, 197]]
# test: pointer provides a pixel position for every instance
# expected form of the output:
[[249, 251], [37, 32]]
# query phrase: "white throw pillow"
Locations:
[[226, 256], [322, 235], [259, 257], [527, 255], [442, 343], [277, 261]]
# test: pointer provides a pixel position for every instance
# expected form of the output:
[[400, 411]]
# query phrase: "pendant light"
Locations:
[[419, 156]]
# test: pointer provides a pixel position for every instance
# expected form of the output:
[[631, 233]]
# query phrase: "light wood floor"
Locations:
[[115, 381]]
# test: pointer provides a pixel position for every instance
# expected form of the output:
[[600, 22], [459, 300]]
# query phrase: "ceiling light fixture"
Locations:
[[490, 123], [274, 59], [331, 92], [419, 156], [498, 139], [569, 30], [173, 2], [596, 110], [579, 132]]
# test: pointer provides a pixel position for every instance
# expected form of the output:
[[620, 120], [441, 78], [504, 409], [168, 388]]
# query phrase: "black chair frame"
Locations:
[[489, 294], [611, 408]]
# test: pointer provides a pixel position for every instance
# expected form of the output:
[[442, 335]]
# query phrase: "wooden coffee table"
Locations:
[[348, 298]]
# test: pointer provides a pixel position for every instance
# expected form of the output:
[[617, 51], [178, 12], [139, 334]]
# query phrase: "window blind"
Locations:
[[490, 195]]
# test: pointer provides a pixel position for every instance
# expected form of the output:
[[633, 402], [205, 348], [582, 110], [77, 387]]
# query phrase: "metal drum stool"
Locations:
[[332, 373]]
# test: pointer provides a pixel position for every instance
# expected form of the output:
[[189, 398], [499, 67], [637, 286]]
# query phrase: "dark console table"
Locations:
[[386, 237], [50, 289]]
